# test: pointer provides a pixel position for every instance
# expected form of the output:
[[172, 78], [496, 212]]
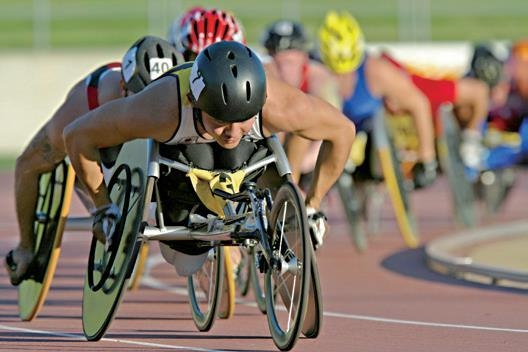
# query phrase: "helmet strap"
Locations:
[[198, 119]]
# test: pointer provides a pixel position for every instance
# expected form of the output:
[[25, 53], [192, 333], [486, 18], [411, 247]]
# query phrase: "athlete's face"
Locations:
[[227, 134], [290, 65]]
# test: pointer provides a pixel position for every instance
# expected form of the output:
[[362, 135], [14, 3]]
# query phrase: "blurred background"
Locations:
[[48, 45]]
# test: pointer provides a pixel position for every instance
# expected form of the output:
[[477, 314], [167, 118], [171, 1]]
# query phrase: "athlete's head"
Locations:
[[205, 27], [341, 40], [147, 59], [177, 24], [284, 35], [519, 50], [228, 82], [485, 65]]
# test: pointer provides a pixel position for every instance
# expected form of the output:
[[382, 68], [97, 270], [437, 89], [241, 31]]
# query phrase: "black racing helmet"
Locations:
[[147, 59], [284, 35], [485, 65], [228, 82]]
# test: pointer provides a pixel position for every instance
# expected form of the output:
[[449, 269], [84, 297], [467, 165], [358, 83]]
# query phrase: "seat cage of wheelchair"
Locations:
[[238, 226]]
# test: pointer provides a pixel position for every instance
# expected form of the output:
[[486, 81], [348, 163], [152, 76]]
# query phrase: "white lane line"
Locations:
[[420, 323], [129, 342], [154, 283]]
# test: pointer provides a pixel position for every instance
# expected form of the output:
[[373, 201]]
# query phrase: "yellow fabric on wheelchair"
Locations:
[[205, 182], [403, 131]]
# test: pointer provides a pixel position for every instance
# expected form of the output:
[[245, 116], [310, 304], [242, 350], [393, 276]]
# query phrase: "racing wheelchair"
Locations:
[[232, 208], [374, 162], [389, 156]]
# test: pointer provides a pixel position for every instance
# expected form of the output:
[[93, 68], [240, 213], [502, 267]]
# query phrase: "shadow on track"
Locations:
[[413, 263]]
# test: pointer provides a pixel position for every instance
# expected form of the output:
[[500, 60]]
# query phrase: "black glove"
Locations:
[[318, 226], [105, 222], [424, 173]]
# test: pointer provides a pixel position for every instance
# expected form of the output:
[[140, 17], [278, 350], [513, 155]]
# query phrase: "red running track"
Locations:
[[382, 300]]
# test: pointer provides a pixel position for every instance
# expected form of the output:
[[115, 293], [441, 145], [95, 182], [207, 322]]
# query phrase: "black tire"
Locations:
[[204, 301], [495, 185], [243, 272], [287, 279], [257, 282], [53, 203], [462, 190], [101, 298], [314, 314], [353, 207]]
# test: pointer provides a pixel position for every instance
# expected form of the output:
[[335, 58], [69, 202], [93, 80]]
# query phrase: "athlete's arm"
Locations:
[[473, 93], [153, 113], [288, 109], [393, 84]]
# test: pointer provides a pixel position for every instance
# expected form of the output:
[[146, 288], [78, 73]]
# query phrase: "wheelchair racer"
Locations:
[[220, 99], [470, 100], [507, 126], [365, 82], [287, 46], [200, 27], [46, 149]]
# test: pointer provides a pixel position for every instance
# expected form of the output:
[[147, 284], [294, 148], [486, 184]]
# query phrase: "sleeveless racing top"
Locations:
[[92, 82], [187, 132], [362, 104]]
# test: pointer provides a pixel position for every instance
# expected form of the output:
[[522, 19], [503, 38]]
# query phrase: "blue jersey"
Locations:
[[362, 104]]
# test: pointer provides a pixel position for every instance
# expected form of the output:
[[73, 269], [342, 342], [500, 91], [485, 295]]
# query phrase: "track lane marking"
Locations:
[[129, 342], [152, 282]]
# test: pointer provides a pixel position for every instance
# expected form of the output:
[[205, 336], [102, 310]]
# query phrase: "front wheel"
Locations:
[[287, 278]]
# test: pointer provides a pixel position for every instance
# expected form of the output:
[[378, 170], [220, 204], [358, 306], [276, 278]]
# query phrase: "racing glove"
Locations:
[[105, 221], [424, 173], [472, 152], [318, 226]]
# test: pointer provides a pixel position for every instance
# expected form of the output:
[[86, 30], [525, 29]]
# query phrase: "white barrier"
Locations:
[[34, 84]]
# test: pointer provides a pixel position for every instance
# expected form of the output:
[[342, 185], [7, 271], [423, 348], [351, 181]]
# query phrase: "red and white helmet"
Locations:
[[205, 27], [178, 23]]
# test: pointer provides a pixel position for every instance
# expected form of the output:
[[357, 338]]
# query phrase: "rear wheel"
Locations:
[[395, 182], [205, 288], [257, 281], [353, 206], [462, 191], [53, 205], [226, 307]]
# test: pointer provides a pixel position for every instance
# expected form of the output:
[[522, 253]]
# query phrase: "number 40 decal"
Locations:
[[158, 66]]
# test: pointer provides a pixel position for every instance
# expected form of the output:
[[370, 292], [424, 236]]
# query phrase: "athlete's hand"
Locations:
[[318, 226], [105, 220], [424, 173]]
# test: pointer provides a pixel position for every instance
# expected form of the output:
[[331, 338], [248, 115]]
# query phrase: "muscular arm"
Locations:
[[153, 113], [393, 84], [300, 151], [44, 151], [288, 109], [474, 94]]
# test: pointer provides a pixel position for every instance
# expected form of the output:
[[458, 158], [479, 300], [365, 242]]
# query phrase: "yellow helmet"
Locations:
[[341, 42]]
